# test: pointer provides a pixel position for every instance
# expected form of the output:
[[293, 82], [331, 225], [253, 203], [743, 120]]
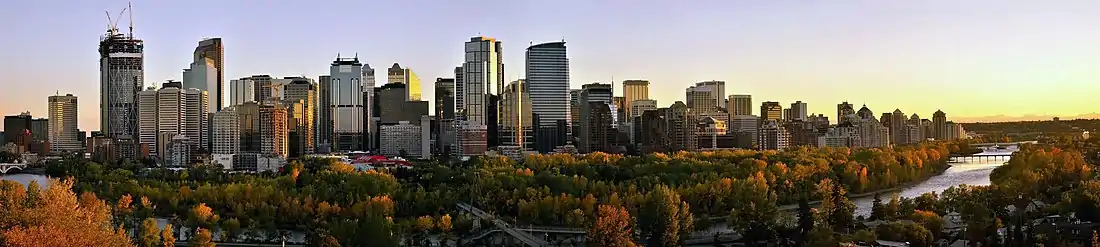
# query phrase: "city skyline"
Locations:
[[983, 55]]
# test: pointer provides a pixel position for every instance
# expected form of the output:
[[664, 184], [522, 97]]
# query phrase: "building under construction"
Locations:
[[122, 70]]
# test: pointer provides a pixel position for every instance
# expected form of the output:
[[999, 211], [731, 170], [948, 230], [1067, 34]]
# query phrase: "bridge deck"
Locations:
[[524, 237]]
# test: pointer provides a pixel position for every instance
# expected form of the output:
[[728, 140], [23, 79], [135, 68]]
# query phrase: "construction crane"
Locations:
[[112, 24]]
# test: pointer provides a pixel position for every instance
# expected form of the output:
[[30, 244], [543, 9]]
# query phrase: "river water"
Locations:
[[969, 171]]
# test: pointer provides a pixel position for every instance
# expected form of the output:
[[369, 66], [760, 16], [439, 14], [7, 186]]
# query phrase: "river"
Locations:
[[970, 172]]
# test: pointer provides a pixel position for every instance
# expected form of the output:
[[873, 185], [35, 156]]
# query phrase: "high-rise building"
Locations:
[[547, 77], [177, 112], [392, 108], [445, 98], [842, 111], [303, 129], [701, 98], [62, 124], [401, 139], [597, 133], [681, 127], [712, 134], [370, 122], [798, 111], [122, 72], [516, 123], [227, 132], [741, 104], [638, 107], [323, 142], [396, 74], [483, 70], [213, 50], [17, 130], [203, 75], [263, 129], [348, 105], [939, 125], [653, 131], [897, 127], [241, 90], [771, 110], [717, 91], [460, 94], [773, 136], [634, 90], [620, 108]]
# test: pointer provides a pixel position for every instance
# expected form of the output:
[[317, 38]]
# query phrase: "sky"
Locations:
[[971, 58]]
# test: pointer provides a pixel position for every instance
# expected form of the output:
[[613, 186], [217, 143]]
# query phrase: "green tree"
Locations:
[[877, 212], [663, 218], [755, 213]]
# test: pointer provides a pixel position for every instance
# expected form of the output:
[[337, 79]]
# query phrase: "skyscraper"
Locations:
[[741, 104], [171, 112], [445, 98], [634, 90], [370, 118], [717, 90], [515, 116], [842, 111], [324, 122], [347, 104], [701, 99], [240, 91], [303, 130], [939, 125], [483, 69], [771, 110], [396, 74], [548, 79], [203, 75], [897, 127], [798, 111], [212, 49], [62, 124], [122, 72]]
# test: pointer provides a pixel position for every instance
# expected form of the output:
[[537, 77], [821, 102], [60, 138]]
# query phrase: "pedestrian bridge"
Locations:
[[5, 168]]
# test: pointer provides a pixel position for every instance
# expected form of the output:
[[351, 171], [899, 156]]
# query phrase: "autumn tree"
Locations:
[[663, 218], [150, 234], [202, 238], [612, 227], [55, 217], [166, 237]]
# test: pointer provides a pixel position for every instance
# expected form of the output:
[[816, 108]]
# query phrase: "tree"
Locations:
[[611, 228], [202, 238], [166, 236], [56, 217], [664, 218], [877, 212], [231, 228], [150, 234], [755, 213], [202, 216]]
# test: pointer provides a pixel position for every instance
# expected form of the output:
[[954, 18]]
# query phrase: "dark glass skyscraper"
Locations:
[[548, 79]]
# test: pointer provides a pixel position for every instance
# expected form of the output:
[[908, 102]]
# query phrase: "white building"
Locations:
[[169, 112], [401, 137], [348, 105], [242, 90], [63, 131], [227, 132], [717, 91]]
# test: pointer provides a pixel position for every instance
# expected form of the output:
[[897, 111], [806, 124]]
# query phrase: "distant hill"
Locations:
[[1003, 118]]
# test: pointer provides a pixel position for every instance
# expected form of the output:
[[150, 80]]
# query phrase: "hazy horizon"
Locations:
[[972, 59]]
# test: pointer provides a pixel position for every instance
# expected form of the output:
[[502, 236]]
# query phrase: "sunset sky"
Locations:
[[969, 58]]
